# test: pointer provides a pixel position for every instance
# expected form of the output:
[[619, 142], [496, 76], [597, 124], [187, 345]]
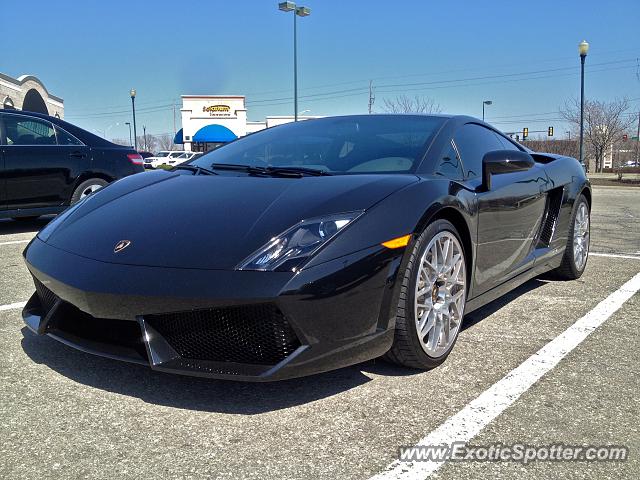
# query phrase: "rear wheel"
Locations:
[[432, 299], [87, 188], [576, 253]]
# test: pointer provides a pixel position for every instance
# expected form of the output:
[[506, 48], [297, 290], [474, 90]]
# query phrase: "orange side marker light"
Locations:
[[397, 242]]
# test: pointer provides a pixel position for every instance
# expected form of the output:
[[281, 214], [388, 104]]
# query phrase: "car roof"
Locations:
[[84, 135]]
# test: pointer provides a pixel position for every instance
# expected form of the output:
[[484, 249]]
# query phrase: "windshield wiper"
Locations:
[[195, 169], [242, 168], [270, 170], [302, 170]]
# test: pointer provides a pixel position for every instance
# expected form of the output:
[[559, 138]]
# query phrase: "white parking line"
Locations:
[[14, 242], [615, 255], [12, 306], [469, 421]]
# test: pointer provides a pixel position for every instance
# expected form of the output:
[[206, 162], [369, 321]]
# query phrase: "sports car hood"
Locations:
[[205, 221]]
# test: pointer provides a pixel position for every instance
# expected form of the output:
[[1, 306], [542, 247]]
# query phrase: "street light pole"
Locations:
[[144, 134], [486, 102], [130, 140], [133, 108], [583, 48], [302, 12]]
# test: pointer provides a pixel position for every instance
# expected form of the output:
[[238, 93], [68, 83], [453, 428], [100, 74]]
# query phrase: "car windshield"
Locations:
[[339, 145]]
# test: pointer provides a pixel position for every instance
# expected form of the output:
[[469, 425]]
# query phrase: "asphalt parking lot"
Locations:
[[66, 414]]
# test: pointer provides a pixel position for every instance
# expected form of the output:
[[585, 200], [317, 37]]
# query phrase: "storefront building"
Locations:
[[29, 93], [209, 121]]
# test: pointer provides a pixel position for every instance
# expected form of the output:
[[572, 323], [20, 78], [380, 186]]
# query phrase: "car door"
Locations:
[[509, 215], [39, 171]]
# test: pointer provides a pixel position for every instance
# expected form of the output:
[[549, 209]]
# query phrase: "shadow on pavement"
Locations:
[[185, 392], [477, 316], [221, 396], [26, 225]]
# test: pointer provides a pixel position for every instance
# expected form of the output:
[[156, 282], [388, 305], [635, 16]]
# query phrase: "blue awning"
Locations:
[[214, 134], [178, 140]]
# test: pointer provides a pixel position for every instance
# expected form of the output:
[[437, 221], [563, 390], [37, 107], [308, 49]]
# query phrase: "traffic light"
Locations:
[[625, 137], [525, 133], [550, 132]]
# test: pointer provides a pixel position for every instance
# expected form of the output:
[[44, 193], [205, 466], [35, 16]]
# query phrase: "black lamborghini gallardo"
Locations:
[[309, 246]]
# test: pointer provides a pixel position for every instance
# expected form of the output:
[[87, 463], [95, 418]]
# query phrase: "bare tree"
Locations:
[[406, 104], [165, 141], [604, 123], [148, 143], [568, 148], [120, 141]]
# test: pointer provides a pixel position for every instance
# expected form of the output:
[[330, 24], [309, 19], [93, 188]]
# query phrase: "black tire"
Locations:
[[84, 186], [406, 349], [568, 270]]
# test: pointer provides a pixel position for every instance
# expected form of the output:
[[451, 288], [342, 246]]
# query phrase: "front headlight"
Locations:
[[293, 246]]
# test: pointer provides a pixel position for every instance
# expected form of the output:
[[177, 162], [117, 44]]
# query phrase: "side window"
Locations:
[[23, 130], [473, 142], [449, 164], [65, 138], [506, 144]]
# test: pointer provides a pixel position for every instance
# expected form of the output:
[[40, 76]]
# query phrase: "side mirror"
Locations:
[[504, 161]]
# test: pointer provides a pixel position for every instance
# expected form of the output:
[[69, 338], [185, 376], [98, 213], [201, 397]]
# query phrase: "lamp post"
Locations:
[[583, 48], [133, 108], [144, 135], [486, 102], [297, 12], [130, 141]]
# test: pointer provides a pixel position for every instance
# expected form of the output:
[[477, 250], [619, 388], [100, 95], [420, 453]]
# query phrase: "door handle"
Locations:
[[77, 155]]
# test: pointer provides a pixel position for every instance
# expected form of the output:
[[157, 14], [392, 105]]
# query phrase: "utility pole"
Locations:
[[174, 120], [372, 96], [144, 130], [638, 142]]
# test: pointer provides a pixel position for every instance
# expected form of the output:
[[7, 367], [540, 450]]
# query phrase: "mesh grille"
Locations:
[[46, 296], [253, 334]]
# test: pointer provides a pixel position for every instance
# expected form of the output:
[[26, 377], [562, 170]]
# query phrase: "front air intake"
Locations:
[[47, 297], [250, 334]]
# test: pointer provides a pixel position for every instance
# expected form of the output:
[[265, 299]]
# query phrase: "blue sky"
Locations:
[[521, 55]]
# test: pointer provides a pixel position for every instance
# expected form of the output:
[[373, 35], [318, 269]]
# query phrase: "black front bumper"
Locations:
[[255, 326]]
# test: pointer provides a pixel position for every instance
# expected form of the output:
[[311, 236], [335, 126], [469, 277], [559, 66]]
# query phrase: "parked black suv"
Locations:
[[47, 164]]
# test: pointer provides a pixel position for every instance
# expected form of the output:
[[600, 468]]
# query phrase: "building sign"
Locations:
[[217, 110]]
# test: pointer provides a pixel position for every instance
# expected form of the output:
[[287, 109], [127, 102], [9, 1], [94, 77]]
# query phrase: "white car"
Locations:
[[164, 157], [186, 156]]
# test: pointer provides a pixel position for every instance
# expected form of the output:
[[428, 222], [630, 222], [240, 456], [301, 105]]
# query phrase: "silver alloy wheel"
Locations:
[[581, 236], [89, 190], [440, 294]]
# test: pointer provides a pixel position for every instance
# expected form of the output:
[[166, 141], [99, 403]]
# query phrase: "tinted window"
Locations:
[[22, 130], [65, 138], [449, 164], [473, 141], [506, 144], [353, 144]]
